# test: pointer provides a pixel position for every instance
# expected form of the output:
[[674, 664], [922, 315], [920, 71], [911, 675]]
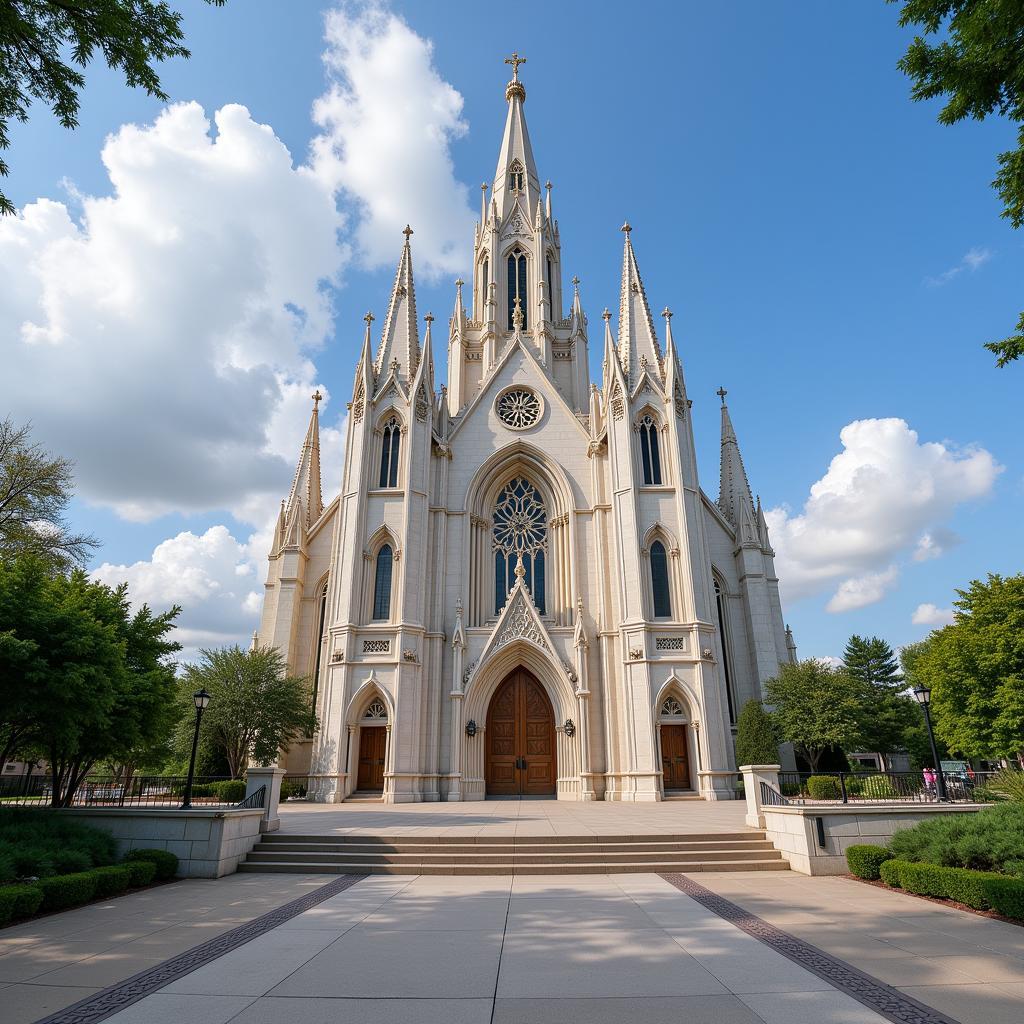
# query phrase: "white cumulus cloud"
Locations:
[[173, 321], [214, 578], [860, 591], [881, 495], [931, 615], [972, 260], [387, 122]]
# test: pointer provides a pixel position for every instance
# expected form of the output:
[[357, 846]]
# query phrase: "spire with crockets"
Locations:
[[400, 341]]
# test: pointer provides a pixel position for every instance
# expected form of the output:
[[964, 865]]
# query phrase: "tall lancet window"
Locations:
[[389, 452], [722, 616], [516, 285], [321, 622], [485, 278], [650, 453], [382, 583], [659, 582], [520, 531]]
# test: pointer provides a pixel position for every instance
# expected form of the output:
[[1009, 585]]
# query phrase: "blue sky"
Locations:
[[831, 253]]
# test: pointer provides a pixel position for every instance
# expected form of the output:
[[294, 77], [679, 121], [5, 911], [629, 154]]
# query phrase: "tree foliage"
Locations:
[[82, 678], [35, 489], [256, 708], [975, 668], [816, 706], [915, 739], [757, 741], [888, 713], [43, 43], [978, 67]]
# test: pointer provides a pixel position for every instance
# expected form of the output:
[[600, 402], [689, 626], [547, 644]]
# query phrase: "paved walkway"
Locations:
[[530, 950], [516, 818]]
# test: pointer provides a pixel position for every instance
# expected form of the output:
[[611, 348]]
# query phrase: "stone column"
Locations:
[[753, 776], [271, 778]]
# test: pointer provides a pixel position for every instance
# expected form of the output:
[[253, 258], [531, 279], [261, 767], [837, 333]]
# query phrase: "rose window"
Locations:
[[518, 408], [520, 532]]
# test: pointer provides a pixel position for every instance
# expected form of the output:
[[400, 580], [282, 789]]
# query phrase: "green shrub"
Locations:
[[756, 739], [1006, 895], [824, 787], [231, 791], [63, 891], [34, 862], [959, 884], [68, 862], [1013, 867], [923, 879], [1008, 784], [984, 840], [889, 872], [205, 789], [140, 872], [865, 861], [166, 862], [112, 880], [7, 872], [18, 901], [877, 787]]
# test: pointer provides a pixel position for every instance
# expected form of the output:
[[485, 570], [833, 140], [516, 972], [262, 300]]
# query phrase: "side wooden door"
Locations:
[[372, 740], [674, 759]]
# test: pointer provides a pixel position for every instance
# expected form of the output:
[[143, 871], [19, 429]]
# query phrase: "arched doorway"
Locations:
[[675, 747], [520, 738], [372, 748]]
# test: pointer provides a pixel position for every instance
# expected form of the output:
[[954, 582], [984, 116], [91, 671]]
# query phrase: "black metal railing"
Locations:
[[296, 787], [137, 791], [771, 797], [255, 800], [877, 787]]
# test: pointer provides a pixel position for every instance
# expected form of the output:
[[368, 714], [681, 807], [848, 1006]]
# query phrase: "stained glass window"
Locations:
[[389, 452], [520, 529], [382, 583], [659, 581], [650, 453]]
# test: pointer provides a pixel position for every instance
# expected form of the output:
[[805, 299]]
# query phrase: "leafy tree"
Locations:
[[756, 739], [35, 488], [815, 707], [256, 707], [915, 738], [40, 40], [979, 66], [887, 712], [83, 679], [975, 668]]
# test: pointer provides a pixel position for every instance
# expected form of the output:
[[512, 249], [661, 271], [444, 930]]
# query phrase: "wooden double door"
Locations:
[[372, 747], [520, 739], [675, 758]]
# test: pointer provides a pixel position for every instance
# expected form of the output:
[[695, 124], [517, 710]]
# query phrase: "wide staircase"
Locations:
[[508, 855]]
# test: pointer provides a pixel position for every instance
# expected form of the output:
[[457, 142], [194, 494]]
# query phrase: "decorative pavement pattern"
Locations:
[[872, 993], [117, 997]]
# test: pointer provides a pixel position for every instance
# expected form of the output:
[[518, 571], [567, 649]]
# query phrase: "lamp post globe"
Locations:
[[201, 699]]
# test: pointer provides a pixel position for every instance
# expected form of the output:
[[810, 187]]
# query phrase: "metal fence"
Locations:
[[801, 788], [137, 791]]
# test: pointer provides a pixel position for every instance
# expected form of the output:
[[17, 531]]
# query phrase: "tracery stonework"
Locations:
[[518, 493]]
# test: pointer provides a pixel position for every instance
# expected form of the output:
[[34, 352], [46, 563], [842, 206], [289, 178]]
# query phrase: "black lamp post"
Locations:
[[923, 696], [201, 699]]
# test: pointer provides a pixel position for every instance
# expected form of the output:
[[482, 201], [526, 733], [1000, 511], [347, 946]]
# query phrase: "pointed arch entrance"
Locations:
[[520, 738]]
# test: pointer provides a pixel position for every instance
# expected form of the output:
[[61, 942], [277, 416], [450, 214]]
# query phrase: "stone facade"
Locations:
[[520, 516]]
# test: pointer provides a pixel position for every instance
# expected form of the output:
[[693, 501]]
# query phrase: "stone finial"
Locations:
[[369, 318], [407, 231], [626, 228], [606, 315], [317, 399], [667, 313]]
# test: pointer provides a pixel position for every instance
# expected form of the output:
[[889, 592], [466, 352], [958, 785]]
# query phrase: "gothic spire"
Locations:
[[734, 497], [305, 494], [638, 344], [516, 174], [399, 340]]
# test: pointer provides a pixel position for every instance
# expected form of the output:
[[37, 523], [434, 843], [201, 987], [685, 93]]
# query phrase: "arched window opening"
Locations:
[[520, 531], [672, 708], [382, 583], [485, 278], [659, 581], [321, 622], [650, 452], [551, 290], [516, 176], [389, 452], [726, 671], [516, 286], [376, 711]]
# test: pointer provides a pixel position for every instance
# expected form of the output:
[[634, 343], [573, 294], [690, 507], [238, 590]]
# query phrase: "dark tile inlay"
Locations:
[[885, 1000], [117, 997]]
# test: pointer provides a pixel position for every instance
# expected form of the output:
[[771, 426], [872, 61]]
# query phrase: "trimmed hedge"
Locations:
[[62, 891], [111, 881], [166, 862], [140, 872], [982, 890], [35, 842], [18, 901], [824, 787], [230, 791], [865, 861]]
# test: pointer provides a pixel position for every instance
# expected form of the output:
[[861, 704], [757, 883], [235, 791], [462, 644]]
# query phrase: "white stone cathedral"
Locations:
[[521, 589]]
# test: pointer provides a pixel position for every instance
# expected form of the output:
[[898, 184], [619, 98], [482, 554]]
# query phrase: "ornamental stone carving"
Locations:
[[519, 408]]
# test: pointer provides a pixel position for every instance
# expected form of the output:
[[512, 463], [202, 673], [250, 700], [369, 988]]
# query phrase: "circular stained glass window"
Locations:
[[518, 408], [520, 520]]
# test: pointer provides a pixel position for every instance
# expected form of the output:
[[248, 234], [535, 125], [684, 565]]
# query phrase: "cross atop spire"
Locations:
[[515, 60], [407, 231], [317, 399], [721, 392]]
